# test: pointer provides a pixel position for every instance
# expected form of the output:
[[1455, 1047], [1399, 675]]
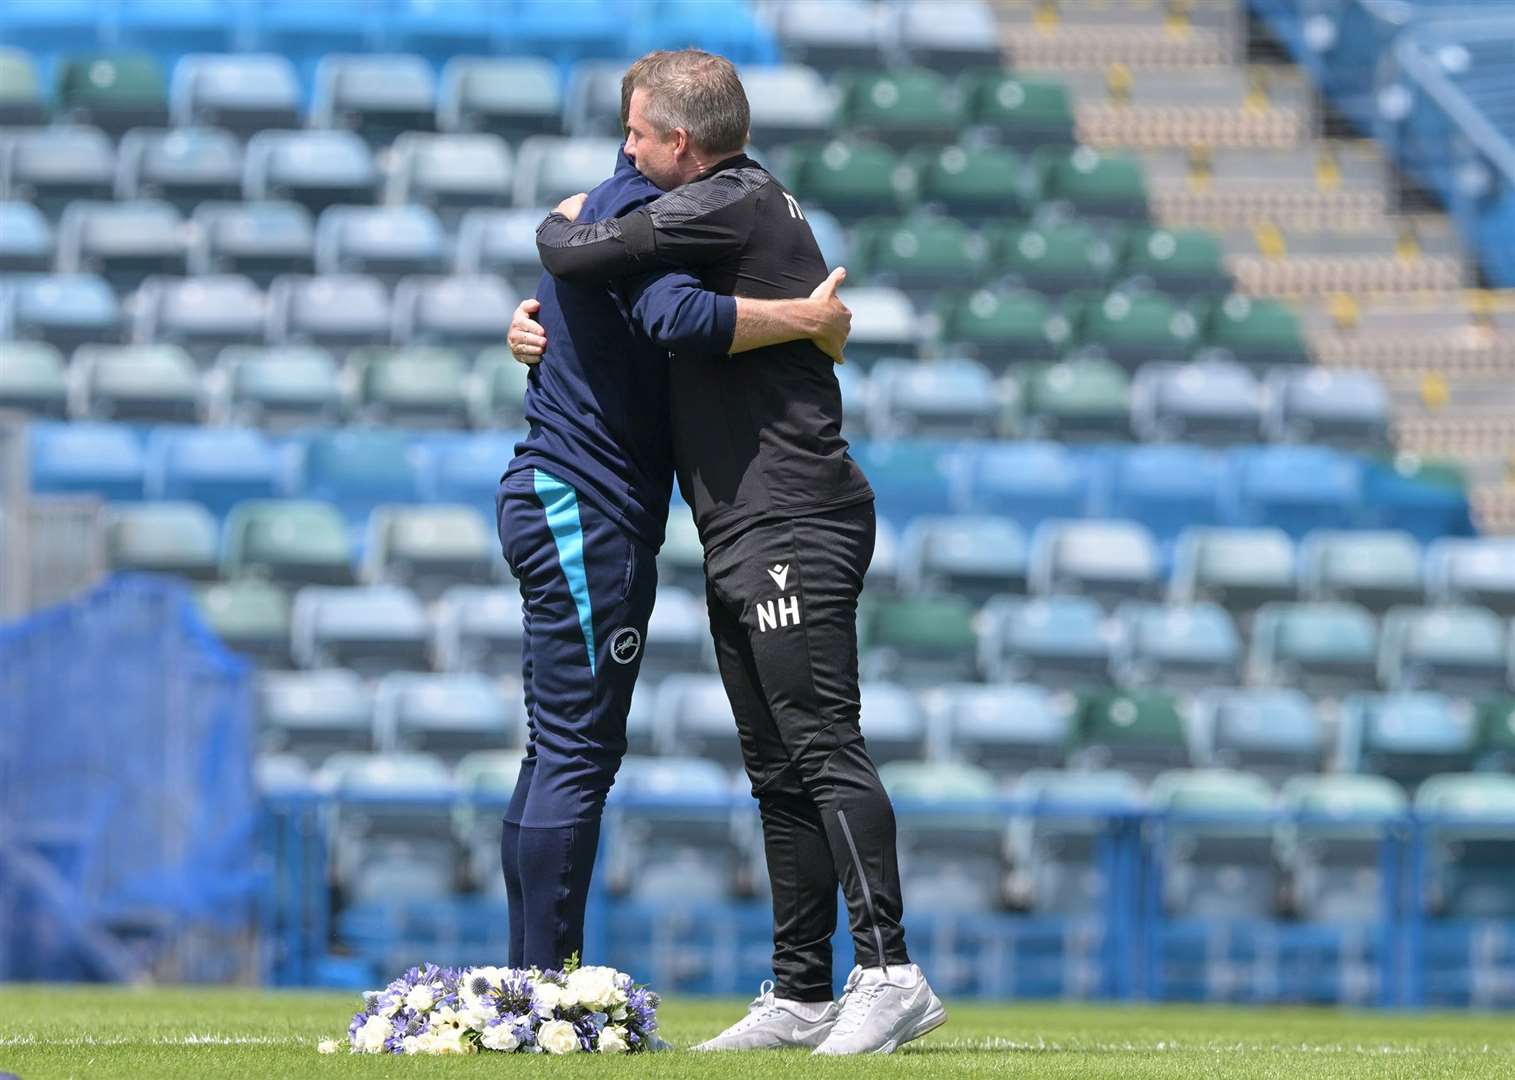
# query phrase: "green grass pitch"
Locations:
[[49, 1033]]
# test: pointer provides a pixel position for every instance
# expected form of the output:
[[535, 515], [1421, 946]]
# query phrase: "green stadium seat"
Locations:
[[1140, 732], [422, 386], [1239, 569], [1378, 570], [286, 541], [113, 91], [852, 179], [1334, 853], [919, 640], [1136, 328], [1002, 327], [502, 381], [903, 108], [1472, 846], [1179, 262], [163, 537], [1080, 399], [1054, 259], [32, 379], [1256, 331], [250, 617], [283, 386], [919, 254], [20, 98], [1093, 183], [138, 382], [1323, 648], [1496, 740], [972, 183], [1024, 113], [429, 548]]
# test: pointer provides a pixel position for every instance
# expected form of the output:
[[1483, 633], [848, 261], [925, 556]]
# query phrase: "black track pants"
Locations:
[[783, 612]]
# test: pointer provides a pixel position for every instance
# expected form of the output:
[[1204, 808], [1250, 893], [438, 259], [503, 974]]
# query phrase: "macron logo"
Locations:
[[780, 576]]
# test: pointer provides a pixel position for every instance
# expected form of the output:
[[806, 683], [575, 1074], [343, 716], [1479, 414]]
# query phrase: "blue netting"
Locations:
[[127, 805]]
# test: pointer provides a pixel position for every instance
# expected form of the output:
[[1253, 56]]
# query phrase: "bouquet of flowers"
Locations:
[[434, 1010]]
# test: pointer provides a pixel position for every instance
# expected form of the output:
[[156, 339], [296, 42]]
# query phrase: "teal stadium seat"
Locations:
[[1007, 730], [1378, 570], [183, 167], [1056, 641], [1458, 649], [339, 312], [451, 174], [26, 239], [242, 93], [201, 315], [63, 310], [423, 387], [973, 557], [1273, 732], [286, 542], [428, 549], [1334, 851], [316, 169], [373, 630], [136, 382], [1325, 648], [250, 617], [478, 628], [282, 387], [512, 97], [1471, 845], [55, 166], [1181, 646], [1473, 571], [260, 240], [465, 313], [944, 398], [32, 380], [125, 243], [1406, 737], [377, 96], [1106, 560], [448, 715], [163, 537], [1240, 569]]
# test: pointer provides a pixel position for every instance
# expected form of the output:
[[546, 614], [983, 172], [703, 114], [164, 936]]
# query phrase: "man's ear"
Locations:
[[681, 143]]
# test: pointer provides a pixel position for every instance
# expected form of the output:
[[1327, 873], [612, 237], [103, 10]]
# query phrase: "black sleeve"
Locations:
[[692, 226]]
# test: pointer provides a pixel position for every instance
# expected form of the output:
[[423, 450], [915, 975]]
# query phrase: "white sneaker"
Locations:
[[771, 1024], [882, 1009]]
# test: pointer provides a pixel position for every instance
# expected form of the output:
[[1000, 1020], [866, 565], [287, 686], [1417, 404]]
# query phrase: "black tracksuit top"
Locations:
[[756, 437]]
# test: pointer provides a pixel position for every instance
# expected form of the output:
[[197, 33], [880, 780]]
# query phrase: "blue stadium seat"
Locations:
[[597, 29], [975, 557], [46, 28], [1274, 732], [316, 169], [724, 27], [135, 383], [951, 837], [485, 779], [892, 721], [1060, 641], [183, 167], [1334, 851], [549, 168], [1406, 737], [1216, 857], [504, 243], [1181, 646], [124, 243], [26, 239], [1059, 850], [945, 398], [1480, 571], [1455, 649], [451, 174], [512, 97], [337, 312], [1348, 409], [100, 459], [441, 29], [694, 718], [356, 471], [372, 630], [282, 774], [1202, 402], [1470, 845], [1168, 488], [307, 30], [592, 99], [430, 548], [314, 714], [64, 310], [1297, 488], [261, 240], [216, 467], [1325, 648], [460, 312], [830, 236], [378, 97], [1240, 569], [1399, 495], [170, 28], [790, 103], [203, 315], [843, 34], [1005, 729], [677, 634], [242, 93], [955, 36], [445, 714], [468, 470], [1107, 560], [1029, 482], [1375, 569], [383, 836], [53, 167], [909, 477], [883, 324], [385, 242], [670, 834], [283, 387], [479, 629]]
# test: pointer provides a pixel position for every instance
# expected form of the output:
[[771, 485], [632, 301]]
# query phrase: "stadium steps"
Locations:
[[1073, 34], [1450, 335], [1412, 254]]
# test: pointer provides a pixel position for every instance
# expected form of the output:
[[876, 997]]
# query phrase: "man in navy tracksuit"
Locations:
[[581, 512]]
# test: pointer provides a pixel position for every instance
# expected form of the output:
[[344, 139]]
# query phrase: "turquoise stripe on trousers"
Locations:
[[562, 505]]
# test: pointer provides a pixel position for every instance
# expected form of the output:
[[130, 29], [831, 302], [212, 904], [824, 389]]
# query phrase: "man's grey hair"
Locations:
[[694, 90]]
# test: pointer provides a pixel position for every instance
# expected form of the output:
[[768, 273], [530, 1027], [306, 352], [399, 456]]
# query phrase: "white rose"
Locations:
[[451, 1040], [593, 987], [613, 1040], [420, 998], [558, 1037], [413, 1044], [549, 996], [500, 1037], [326, 1046], [478, 1017], [370, 1037]]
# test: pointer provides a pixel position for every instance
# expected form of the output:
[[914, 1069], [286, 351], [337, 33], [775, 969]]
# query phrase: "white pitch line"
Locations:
[[1169, 1046], [157, 1040]]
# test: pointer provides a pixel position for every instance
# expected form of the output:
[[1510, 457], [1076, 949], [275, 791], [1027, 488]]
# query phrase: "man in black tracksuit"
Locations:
[[786, 518]]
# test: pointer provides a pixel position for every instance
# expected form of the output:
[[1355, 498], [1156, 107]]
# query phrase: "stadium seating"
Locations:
[[1221, 868], [1273, 733], [164, 537], [1333, 852]]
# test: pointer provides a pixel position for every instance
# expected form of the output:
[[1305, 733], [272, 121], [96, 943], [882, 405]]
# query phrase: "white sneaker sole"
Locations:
[[934, 1017]]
